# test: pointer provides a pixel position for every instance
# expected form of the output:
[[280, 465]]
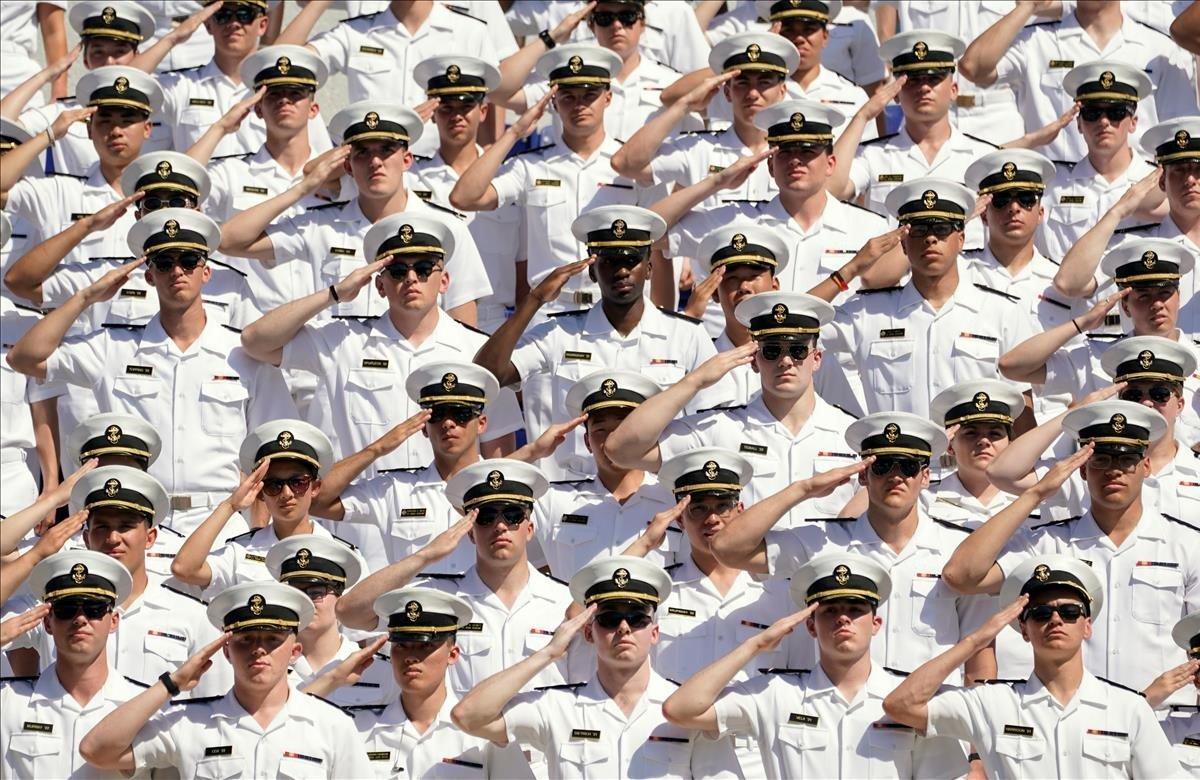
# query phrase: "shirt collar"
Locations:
[[1090, 690]]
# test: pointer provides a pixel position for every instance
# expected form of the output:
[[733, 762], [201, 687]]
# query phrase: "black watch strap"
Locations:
[[546, 39], [168, 683]]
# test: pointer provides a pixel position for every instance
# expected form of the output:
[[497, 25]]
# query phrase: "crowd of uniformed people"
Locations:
[[623, 388]]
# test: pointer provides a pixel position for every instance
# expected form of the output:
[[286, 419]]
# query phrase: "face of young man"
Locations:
[[1166, 398], [933, 248], [293, 485], [122, 535], [178, 288], [785, 368], [458, 120], [1181, 182], [420, 667], [622, 279], [118, 134], [1055, 637], [324, 597], [287, 109], [843, 628], [1106, 127], [706, 515], [236, 29], [894, 484], [1154, 311], [98, 52], [809, 37], [501, 532], [928, 97], [619, 643], [751, 91], [741, 280], [1013, 217], [261, 658], [618, 27], [801, 170], [581, 109], [976, 445], [412, 285], [80, 638], [453, 430], [1115, 480], [378, 167]]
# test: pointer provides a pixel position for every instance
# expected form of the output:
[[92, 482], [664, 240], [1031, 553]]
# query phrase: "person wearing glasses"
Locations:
[[924, 616], [1148, 561], [283, 462], [612, 725], [1063, 721], [323, 570], [787, 431], [45, 716], [1082, 191], [906, 344], [262, 725], [202, 400], [1182, 723]]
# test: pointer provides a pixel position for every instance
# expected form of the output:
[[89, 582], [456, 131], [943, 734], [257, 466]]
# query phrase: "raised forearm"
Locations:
[[676, 206], [191, 562], [908, 703], [15, 102], [24, 277], [844, 150], [265, 338], [340, 475], [514, 72], [634, 158], [740, 540], [700, 691], [975, 556], [17, 161], [356, 608], [1012, 470], [496, 353], [979, 61], [40, 341], [1026, 362], [109, 744], [638, 434], [1076, 275], [240, 233], [485, 702], [474, 191], [16, 572], [300, 28]]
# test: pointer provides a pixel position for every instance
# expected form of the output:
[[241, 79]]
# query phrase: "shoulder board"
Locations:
[[118, 258], [327, 701], [70, 175], [701, 132], [463, 12], [844, 411], [981, 140], [1053, 261], [29, 679], [1065, 163], [360, 16], [754, 201], [720, 409], [435, 575], [122, 326], [994, 291], [862, 208], [422, 158], [830, 519], [1105, 336], [977, 251], [198, 700], [679, 315], [673, 682], [412, 470], [185, 595], [998, 681], [230, 327], [1148, 27], [69, 98], [534, 149], [652, 27], [1050, 23], [360, 319], [383, 657], [572, 313], [1122, 687], [780, 670], [948, 524], [138, 683], [239, 156], [673, 566], [663, 64], [897, 672], [227, 267], [247, 535], [1135, 228], [170, 530], [333, 204], [472, 328], [1185, 708], [25, 307], [873, 290], [880, 139], [431, 204], [1176, 520], [1055, 522], [337, 538], [561, 687], [572, 481], [176, 70], [550, 576], [356, 708]]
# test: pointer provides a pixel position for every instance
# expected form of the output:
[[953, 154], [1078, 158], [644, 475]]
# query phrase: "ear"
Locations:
[[314, 110], [147, 128], [587, 632], [315, 489], [811, 624], [407, 159], [297, 650], [876, 624], [1087, 628], [445, 283], [206, 274], [379, 285], [116, 620], [151, 537], [482, 423], [454, 655]]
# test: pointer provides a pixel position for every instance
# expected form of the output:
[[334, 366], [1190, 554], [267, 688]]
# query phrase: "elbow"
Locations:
[[459, 200], [672, 711], [18, 361], [351, 617], [893, 707], [725, 550], [461, 717], [1011, 368], [89, 750], [620, 164], [614, 448], [958, 576]]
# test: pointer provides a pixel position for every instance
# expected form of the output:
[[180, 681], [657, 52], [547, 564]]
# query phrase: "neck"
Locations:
[[507, 578], [1013, 257], [1061, 678], [140, 583], [1099, 17], [459, 156], [1118, 522], [630, 63], [804, 208], [792, 412], [977, 484], [286, 528], [447, 466], [849, 675], [111, 171], [624, 685], [262, 704], [375, 209], [184, 326], [292, 152], [1163, 451], [928, 133], [1110, 165], [1188, 223], [894, 530], [621, 483], [229, 64], [422, 708], [321, 647], [411, 13], [806, 76], [415, 327], [82, 680], [721, 576], [754, 139], [937, 289], [738, 333], [584, 144], [624, 318]]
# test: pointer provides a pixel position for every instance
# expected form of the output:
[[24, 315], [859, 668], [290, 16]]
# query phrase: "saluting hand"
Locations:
[[656, 530], [242, 498], [704, 293], [106, 217], [878, 102], [716, 367], [549, 288], [329, 164], [1060, 472], [560, 643], [108, 285], [188, 26], [562, 32], [349, 671], [735, 175], [1003, 617], [63, 123], [824, 483], [349, 288], [553, 437], [770, 637], [1172, 680], [23, 623], [1094, 317], [702, 94], [528, 121], [447, 541], [401, 432], [187, 676], [234, 117]]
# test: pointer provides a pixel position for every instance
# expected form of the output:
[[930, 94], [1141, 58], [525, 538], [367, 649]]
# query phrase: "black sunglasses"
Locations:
[[606, 18], [422, 268], [460, 414], [1026, 199], [155, 202], [1159, 394], [909, 467], [773, 350], [188, 261], [1103, 461], [512, 515], [92, 610], [317, 591], [942, 230], [299, 485], [612, 618], [243, 14], [1042, 612], [1114, 113]]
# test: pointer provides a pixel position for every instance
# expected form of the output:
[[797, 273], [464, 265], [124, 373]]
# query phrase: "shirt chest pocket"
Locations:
[[301, 769], [413, 529], [584, 758], [1105, 749], [665, 372], [195, 115], [537, 638], [367, 392], [475, 645], [667, 755], [219, 768], [243, 200], [139, 397], [1071, 218], [1017, 751], [889, 364], [1156, 594], [683, 638], [933, 612], [337, 267], [574, 534], [166, 648], [983, 352], [891, 751], [369, 59], [223, 408], [1189, 757], [35, 755], [801, 738], [548, 211]]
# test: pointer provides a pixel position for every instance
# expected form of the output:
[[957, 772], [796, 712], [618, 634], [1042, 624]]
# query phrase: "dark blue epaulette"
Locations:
[[550, 576], [1156, 30], [998, 681], [472, 328], [333, 204], [360, 16], [702, 132], [1135, 228], [1185, 708], [458, 9], [1176, 520], [1122, 687], [1049, 23], [572, 313], [383, 657], [123, 326], [781, 670], [679, 315], [720, 408], [1055, 522], [845, 411], [32, 678], [583, 481], [116, 258], [337, 707], [880, 139], [673, 682], [26, 307], [230, 327], [533, 149], [138, 683], [948, 524], [561, 687], [185, 595], [246, 536], [197, 700], [71, 175], [337, 538], [862, 208], [897, 672], [238, 156], [873, 290], [1053, 261], [227, 267], [830, 519], [69, 98], [1105, 336], [354, 709], [435, 205], [434, 575], [981, 140], [752, 201], [1065, 163], [972, 252], [422, 157], [1053, 302], [410, 469], [177, 70], [673, 566], [994, 291]]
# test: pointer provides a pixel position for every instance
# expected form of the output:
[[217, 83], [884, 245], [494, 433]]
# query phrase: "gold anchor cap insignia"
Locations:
[[284, 65], [1041, 572], [841, 573], [164, 169], [575, 64], [920, 50], [1009, 171], [797, 120], [608, 387], [171, 228], [303, 557], [257, 604], [621, 577], [1107, 79], [929, 198], [738, 242], [495, 479], [406, 233], [981, 401], [891, 432], [121, 84], [1145, 358], [112, 487], [78, 572], [285, 439], [371, 120], [412, 610], [1117, 421], [449, 381], [453, 74], [113, 434], [711, 469], [753, 52]]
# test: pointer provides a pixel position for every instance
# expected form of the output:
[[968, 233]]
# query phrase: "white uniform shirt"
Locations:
[[378, 54], [499, 637], [1077, 199], [195, 99], [778, 457], [363, 367], [202, 402], [1150, 582], [41, 726], [889, 160], [923, 617], [905, 352], [20, 36], [805, 728], [578, 521], [408, 508], [1182, 726], [18, 458], [326, 245], [553, 186], [550, 358], [217, 738], [585, 734], [377, 686], [169, 14], [243, 558], [687, 158], [1021, 730], [1036, 62], [498, 234]]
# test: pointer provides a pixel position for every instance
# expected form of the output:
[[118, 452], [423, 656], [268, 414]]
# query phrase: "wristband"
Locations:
[[973, 757], [168, 683], [839, 281], [546, 39], [333, 294], [1076, 324]]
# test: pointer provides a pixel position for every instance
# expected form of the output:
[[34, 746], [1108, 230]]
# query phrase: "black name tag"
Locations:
[[374, 363], [416, 512], [1112, 319], [891, 177], [344, 251], [1103, 733], [716, 168], [379, 755], [371, 49], [130, 293], [891, 333], [1018, 731], [176, 637], [41, 728], [139, 370], [471, 627], [255, 190], [547, 182], [1062, 63], [803, 720], [590, 734], [891, 726], [681, 611], [569, 355], [1071, 200], [302, 757], [256, 558], [656, 738], [575, 519], [423, 194], [753, 449], [219, 750], [201, 102]]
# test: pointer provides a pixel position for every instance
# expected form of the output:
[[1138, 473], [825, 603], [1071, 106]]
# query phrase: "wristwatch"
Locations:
[[546, 39], [168, 683]]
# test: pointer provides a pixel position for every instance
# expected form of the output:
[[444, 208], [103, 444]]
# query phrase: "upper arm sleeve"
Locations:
[[366, 501], [333, 47], [77, 361], [307, 350], [510, 182], [950, 715], [269, 399], [524, 722], [289, 238], [468, 277], [1011, 69], [530, 355], [735, 710], [155, 745], [860, 175]]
